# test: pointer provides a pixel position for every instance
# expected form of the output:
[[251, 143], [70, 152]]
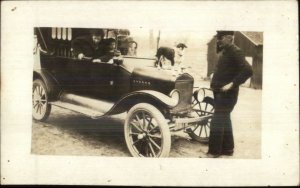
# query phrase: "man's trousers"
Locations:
[[221, 135]]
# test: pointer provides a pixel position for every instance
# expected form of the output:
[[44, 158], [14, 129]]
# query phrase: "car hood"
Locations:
[[152, 73]]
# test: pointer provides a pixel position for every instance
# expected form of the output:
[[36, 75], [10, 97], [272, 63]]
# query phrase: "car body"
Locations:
[[153, 98]]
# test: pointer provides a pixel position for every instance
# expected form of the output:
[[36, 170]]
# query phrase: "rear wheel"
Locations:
[[40, 105], [146, 132]]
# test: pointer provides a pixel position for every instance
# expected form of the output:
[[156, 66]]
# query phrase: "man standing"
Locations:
[[231, 71]]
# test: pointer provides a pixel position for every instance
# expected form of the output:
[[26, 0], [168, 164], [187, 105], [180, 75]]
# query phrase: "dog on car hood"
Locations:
[[173, 55]]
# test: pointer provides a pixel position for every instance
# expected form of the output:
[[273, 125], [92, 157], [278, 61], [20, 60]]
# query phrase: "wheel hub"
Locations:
[[142, 135]]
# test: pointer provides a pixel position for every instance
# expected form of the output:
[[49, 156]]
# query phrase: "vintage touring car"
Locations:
[[156, 101]]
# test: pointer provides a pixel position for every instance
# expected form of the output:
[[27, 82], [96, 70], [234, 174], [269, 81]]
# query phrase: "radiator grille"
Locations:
[[185, 87]]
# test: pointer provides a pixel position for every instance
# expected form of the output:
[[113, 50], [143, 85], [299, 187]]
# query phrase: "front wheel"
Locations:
[[146, 132], [200, 131], [40, 105]]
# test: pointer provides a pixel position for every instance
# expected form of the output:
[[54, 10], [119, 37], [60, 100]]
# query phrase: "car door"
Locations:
[[101, 80], [79, 77]]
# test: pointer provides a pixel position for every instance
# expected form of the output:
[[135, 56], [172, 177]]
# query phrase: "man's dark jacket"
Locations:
[[85, 45], [232, 67]]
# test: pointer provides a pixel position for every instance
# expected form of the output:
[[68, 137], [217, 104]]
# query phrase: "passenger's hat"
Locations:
[[124, 32], [181, 45], [110, 40], [95, 31]]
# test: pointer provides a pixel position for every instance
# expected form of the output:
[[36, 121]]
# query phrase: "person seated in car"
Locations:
[[110, 50], [132, 48], [91, 47], [110, 45], [123, 44]]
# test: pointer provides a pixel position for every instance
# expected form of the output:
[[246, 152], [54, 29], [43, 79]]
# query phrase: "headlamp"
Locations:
[[175, 96], [199, 95]]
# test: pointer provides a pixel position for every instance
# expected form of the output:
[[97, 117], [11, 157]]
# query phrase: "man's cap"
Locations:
[[220, 34], [124, 32], [109, 41], [181, 45], [97, 32]]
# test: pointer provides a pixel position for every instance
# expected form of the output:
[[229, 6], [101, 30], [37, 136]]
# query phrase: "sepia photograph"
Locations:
[[150, 93], [96, 91]]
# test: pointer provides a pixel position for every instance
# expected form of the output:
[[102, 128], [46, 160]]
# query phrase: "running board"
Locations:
[[83, 110], [101, 106]]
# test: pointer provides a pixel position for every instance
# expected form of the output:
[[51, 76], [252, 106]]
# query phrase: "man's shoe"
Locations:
[[209, 155], [228, 152]]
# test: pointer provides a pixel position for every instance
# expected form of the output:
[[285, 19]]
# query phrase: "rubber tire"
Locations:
[[197, 138], [157, 115], [39, 82]]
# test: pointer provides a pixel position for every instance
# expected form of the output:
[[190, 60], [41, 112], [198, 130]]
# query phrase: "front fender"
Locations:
[[157, 99]]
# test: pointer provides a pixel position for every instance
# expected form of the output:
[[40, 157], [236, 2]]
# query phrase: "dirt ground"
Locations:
[[69, 133]]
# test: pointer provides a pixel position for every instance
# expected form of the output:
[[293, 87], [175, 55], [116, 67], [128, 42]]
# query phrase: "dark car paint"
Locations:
[[161, 101], [119, 83]]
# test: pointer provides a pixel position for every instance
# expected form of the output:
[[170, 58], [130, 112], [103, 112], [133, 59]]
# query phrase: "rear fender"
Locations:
[[50, 82], [157, 99]]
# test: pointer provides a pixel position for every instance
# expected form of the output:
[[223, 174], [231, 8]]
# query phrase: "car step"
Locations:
[[83, 110]]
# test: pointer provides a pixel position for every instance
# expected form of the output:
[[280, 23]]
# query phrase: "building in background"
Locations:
[[252, 45]]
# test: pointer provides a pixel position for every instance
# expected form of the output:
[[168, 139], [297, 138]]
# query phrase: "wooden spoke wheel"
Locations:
[[40, 106], [146, 132], [200, 131]]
